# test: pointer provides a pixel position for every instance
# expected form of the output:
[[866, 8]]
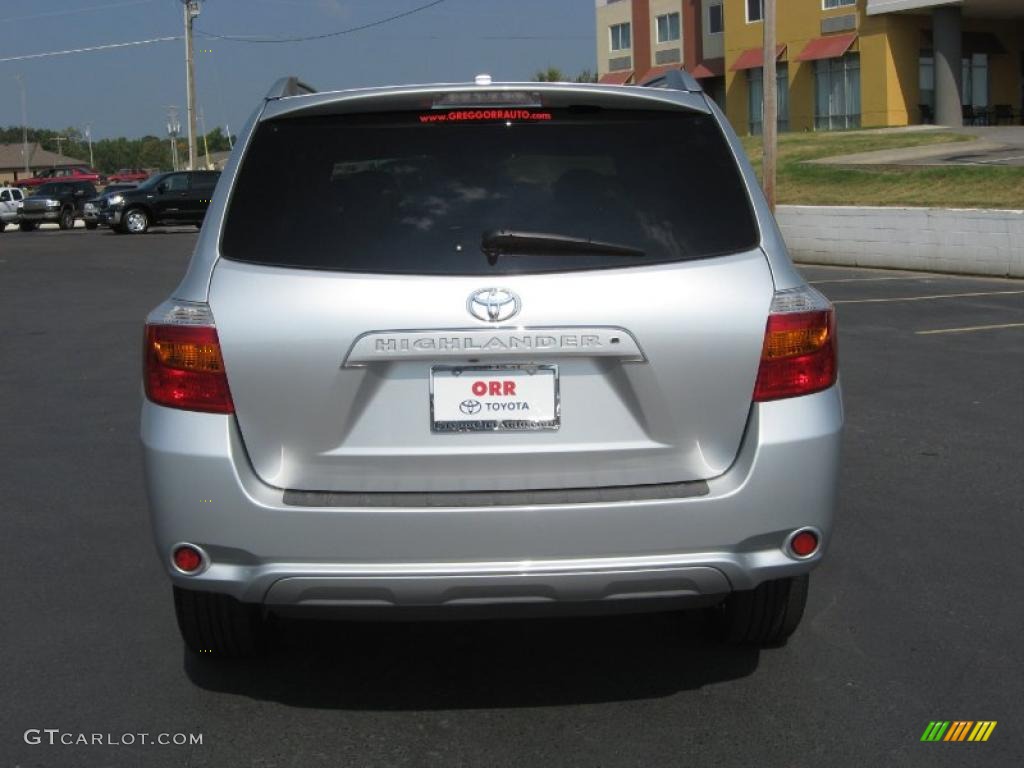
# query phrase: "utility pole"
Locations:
[[227, 130], [202, 130], [769, 112], [24, 124], [191, 11], [173, 129], [59, 139], [88, 137]]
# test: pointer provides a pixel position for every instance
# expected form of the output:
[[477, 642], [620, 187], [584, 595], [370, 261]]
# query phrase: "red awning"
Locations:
[[709, 68], [754, 57], [617, 78], [831, 47], [659, 70]]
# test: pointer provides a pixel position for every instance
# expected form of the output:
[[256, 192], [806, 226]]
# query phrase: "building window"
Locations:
[[974, 80], [755, 92], [668, 27], [926, 84], [837, 93], [716, 24], [830, 4], [755, 10], [620, 36]]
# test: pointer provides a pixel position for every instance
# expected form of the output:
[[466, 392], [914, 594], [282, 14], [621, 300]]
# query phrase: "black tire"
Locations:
[[91, 225], [135, 221], [27, 226], [764, 616], [3, 226], [218, 625], [67, 219]]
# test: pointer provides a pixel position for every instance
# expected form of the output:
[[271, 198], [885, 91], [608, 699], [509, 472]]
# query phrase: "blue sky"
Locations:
[[126, 91]]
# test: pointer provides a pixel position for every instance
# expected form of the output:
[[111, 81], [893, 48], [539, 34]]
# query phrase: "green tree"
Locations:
[[555, 75], [549, 75]]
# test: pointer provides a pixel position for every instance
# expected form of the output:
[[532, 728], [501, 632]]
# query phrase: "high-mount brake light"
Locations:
[[183, 367], [799, 352], [472, 98]]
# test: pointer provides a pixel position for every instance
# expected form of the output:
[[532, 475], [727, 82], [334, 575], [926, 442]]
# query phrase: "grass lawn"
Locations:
[[801, 183]]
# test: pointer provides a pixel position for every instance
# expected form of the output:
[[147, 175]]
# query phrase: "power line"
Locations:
[[72, 11], [106, 47], [377, 23]]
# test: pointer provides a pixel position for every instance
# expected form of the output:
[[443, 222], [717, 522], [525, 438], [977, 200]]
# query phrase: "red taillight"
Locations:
[[184, 369], [798, 356]]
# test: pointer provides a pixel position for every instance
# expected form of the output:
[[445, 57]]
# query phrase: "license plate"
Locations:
[[503, 398]]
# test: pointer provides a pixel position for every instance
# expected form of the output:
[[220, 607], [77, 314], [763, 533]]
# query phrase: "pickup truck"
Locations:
[[59, 202], [63, 173], [10, 201]]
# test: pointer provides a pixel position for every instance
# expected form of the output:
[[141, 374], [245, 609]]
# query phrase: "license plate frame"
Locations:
[[500, 421]]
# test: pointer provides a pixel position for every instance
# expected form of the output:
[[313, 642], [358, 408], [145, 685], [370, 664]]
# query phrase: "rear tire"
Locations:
[[764, 616], [91, 225], [212, 624], [27, 226], [67, 219]]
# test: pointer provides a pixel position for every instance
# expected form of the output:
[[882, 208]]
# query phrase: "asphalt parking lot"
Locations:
[[915, 615]]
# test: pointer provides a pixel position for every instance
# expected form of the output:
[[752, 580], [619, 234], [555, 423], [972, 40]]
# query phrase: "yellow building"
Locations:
[[841, 63], [859, 63]]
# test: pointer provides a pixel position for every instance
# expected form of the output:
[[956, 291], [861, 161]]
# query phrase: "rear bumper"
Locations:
[[262, 550]]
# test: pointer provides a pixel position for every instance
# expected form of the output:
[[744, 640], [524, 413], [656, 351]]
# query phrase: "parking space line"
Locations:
[[970, 328], [876, 279], [927, 298]]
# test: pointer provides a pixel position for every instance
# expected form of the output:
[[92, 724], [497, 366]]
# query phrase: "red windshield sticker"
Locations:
[[479, 115]]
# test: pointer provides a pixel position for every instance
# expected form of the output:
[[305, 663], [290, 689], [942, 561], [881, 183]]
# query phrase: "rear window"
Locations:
[[54, 189], [415, 193]]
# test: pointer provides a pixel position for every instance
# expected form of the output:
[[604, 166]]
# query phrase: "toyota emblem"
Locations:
[[493, 305]]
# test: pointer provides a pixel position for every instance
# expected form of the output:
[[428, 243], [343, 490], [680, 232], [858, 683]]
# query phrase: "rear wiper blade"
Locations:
[[513, 241]]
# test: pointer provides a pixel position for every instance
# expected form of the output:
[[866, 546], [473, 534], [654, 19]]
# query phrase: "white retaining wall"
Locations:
[[966, 241]]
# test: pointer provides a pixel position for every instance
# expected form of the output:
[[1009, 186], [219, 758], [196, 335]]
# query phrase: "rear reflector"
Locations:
[[183, 367], [804, 544], [799, 352], [187, 558]]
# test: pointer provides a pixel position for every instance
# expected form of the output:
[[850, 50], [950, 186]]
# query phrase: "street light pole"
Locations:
[[88, 137], [769, 112], [24, 124], [191, 11], [173, 129]]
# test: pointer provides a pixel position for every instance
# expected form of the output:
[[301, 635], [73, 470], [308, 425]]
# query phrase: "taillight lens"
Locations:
[[183, 367], [799, 352]]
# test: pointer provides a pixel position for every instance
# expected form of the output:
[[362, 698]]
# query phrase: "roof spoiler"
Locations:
[[674, 79], [289, 86]]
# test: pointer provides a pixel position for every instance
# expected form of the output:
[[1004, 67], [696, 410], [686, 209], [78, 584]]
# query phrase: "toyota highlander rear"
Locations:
[[501, 348]]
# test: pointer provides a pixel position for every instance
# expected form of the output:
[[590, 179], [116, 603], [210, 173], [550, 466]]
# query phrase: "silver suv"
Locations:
[[505, 348]]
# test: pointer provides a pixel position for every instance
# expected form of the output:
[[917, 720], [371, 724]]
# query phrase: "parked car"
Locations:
[[134, 175], [59, 202], [63, 173], [10, 201], [490, 359], [91, 209], [180, 197]]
